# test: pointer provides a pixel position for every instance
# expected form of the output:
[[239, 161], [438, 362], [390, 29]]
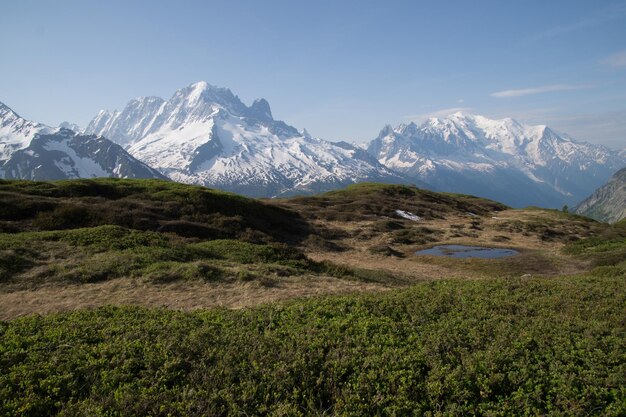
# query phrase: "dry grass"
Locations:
[[178, 296], [356, 228], [538, 255]]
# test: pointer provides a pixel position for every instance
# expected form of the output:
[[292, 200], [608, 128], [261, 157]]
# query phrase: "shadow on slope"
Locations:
[[155, 205], [366, 201]]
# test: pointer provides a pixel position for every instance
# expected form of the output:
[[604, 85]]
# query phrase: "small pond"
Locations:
[[462, 251]]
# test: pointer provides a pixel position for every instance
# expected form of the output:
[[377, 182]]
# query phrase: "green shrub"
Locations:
[[173, 271], [247, 253], [111, 238], [513, 347], [11, 263], [63, 217], [245, 276]]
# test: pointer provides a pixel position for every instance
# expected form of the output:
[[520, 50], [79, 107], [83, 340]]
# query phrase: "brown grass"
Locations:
[[178, 296], [538, 256], [364, 234]]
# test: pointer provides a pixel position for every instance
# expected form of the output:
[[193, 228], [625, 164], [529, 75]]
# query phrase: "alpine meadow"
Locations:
[[446, 237]]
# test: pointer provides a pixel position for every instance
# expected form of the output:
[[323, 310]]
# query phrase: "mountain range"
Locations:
[[500, 159], [30, 150], [206, 135]]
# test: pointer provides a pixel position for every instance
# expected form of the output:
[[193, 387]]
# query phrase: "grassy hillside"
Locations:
[[542, 333], [369, 200], [189, 211], [87, 231]]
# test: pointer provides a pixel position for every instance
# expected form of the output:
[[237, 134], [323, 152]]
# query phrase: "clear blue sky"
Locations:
[[341, 69]]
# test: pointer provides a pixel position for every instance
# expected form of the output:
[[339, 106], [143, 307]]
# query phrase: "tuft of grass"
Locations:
[[382, 249]]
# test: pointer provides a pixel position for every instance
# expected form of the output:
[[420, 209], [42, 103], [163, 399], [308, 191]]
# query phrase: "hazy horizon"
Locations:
[[342, 71]]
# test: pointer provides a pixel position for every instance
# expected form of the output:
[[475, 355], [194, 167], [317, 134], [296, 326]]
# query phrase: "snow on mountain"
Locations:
[[206, 135], [16, 132], [501, 159], [71, 126], [34, 151]]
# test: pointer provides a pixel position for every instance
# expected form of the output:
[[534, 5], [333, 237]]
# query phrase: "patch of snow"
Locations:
[[408, 215], [75, 166]]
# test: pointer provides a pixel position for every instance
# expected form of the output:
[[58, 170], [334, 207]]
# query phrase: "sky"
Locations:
[[340, 69]]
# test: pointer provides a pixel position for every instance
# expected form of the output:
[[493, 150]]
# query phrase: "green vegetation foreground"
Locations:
[[497, 347]]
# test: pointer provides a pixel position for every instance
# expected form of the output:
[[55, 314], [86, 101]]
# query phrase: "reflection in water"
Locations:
[[462, 251]]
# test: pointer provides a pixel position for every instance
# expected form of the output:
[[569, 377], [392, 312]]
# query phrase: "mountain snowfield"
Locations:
[[30, 150], [205, 135], [501, 159]]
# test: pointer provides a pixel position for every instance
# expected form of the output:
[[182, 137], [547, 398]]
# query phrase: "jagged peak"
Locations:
[[406, 129], [462, 114], [260, 108], [385, 131], [305, 133], [200, 88], [103, 113], [9, 116], [6, 111], [200, 85], [71, 126], [147, 100]]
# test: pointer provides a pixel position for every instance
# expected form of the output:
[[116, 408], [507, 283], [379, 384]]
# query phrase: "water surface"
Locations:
[[462, 251]]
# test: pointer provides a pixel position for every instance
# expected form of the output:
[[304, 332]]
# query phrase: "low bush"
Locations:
[[161, 272], [191, 211], [514, 347], [247, 253]]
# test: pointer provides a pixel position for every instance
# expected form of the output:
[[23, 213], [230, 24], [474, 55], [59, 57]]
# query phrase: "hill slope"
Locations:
[[607, 203], [476, 338], [150, 205]]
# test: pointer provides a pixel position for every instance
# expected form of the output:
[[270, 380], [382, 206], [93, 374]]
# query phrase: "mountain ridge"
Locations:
[[30, 150], [205, 135], [498, 159]]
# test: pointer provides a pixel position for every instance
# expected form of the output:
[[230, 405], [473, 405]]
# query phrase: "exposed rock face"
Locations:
[[607, 203]]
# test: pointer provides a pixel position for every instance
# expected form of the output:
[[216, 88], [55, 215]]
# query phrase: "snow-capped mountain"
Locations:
[[500, 159], [206, 135], [34, 151], [16, 132], [72, 126]]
